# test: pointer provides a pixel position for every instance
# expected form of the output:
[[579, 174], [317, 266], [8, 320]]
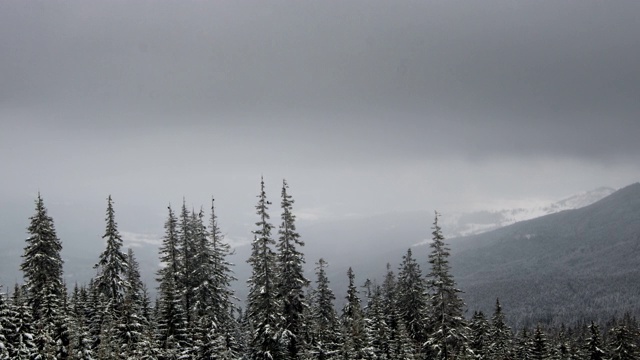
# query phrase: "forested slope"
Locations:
[[561, 267]]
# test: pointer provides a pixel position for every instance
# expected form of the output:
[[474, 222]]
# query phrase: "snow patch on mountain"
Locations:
[[476, 222]]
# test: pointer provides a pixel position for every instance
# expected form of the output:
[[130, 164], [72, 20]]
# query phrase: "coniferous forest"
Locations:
[[412, 313]]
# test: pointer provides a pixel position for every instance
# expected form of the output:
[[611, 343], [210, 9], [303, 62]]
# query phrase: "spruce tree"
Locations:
[[562, 350], [112, 266], [539, 349], [148, 348], [524, 345], [108, 346], [203, 291], [400, 344], [263, 306], [378, 333], [186, 282], [222, 277], [42, 263], [169, 251], [110, 286], [404, 347], [291, 282], [579, 340], [324, 320], [130, 330], [5, 327], [146, 310], [44, 289], [354, 335], [447, 324], [21, 340], [199, 288], [500, 346], [412, 302], [80, 337], [244, 332], [389, 299], [480, 338], [594, 347], [213, 294], [621, 344], [172, 329], [62, 330], [93, 314], [171, 318]]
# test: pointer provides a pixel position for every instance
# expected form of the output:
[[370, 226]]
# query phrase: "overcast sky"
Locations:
[[364, 106]]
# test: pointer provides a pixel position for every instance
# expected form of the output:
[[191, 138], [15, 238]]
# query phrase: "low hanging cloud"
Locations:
[[134, 239], [392, 78]]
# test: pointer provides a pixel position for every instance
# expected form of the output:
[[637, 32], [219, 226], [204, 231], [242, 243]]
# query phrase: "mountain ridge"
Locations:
[[587, 259]]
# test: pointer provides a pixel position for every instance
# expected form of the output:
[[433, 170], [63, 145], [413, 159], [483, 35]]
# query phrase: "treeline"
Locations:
[[406, 315]]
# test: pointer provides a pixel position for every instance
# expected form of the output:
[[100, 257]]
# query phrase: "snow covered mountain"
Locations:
[[477, 222]]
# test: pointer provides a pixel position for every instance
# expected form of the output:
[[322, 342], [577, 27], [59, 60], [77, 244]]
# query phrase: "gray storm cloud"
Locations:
[[521, 75], [128, 94]]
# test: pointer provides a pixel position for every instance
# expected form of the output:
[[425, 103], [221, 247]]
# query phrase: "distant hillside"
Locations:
[[368, 243], [582, 263]]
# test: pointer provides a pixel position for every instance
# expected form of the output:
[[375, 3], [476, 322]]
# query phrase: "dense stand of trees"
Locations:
[[411, 315]]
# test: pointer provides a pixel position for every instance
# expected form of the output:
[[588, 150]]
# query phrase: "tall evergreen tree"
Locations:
[[524, 345], [354, 334], [594, 347], [213, 294], [109, 288], [199, 287], [169, 251], [81, 343], [244, 332], [400, 344], [130, 331], [171, 319], [62, 330], [109, 345], [188, 253], [94, 315], [148, 348], [44, 288], [378, 331], [324, 320], [500, 346], [291, 282], [540, 348], [412, 302], [480, 338], [112, 266], [621, 344], [447, 324], [390, 298], [263, 305], [5, 327], [404, 347], [562, 348], [222, 277], [42, 263], [172, 328], [21, 340]]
